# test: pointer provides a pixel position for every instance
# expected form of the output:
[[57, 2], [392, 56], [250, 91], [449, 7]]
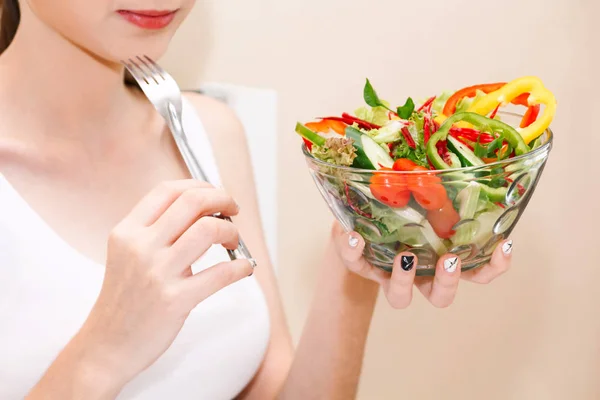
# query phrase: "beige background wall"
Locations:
[[535, 333]]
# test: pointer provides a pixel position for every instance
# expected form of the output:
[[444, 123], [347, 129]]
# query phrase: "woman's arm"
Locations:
[[330, 353], [77, 373]]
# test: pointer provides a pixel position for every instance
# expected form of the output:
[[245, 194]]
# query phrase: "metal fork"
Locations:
[[164, 93]]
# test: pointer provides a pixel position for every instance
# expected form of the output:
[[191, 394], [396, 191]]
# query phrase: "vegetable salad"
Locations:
[[450, 131]]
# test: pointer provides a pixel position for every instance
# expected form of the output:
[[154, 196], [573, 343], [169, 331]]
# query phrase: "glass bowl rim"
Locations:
[[543, 148]]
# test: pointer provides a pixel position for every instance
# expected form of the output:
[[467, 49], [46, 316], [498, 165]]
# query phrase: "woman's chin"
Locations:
[[154, 48]]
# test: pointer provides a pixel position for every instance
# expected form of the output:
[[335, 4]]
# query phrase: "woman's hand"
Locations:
[[149, 288], [440, 290]]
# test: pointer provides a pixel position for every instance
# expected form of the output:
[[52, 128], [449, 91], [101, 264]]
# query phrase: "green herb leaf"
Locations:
[[407, 109], [370, 95], [479, 150], [418, 155], [494, 145]]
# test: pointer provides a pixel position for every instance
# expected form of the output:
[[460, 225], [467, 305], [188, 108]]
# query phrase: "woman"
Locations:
[[115, 279]]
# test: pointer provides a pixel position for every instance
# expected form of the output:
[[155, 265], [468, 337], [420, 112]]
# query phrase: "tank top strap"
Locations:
[[199, 142]]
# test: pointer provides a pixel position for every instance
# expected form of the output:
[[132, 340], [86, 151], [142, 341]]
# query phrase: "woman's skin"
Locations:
[[97, 163]]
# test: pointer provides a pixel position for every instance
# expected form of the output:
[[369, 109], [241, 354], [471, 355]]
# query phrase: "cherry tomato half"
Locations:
[[390, 189], [404, 164], [427, 189]]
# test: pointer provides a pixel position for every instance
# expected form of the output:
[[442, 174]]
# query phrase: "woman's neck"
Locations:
[[70, 91]]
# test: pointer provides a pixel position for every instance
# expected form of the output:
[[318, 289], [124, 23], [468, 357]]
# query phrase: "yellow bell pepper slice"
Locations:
[[538, 94], [440, 118]]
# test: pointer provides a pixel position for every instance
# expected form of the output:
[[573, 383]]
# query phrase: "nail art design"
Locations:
[[450, 264], [352, 241], [407, 262], [507, 247]]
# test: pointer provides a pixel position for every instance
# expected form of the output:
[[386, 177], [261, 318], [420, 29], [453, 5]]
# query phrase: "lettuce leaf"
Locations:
[[388, 133], [375, 115], [418, 155], [440, 101]]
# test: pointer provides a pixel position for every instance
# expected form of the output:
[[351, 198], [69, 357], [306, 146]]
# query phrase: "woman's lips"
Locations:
[[148, 19]]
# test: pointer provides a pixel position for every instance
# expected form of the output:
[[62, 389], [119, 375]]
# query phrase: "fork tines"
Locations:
[[145, 69]]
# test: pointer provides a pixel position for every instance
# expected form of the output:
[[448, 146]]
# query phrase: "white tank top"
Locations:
[[47, 290]]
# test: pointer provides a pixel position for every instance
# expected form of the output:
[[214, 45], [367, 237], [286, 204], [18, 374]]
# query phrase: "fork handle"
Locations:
[[196, 171]]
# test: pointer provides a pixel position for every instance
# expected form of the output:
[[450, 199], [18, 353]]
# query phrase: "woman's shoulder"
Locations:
[[220, 121], [227, 137]]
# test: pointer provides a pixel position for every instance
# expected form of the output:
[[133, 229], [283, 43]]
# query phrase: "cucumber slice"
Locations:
[[466, 156], [377, 155], [361, 160], [370, 155], [454, 160]]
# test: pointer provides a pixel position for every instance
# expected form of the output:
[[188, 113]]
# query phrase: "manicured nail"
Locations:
[[507, 247], [407, 262], [253, 264], [237, 205], [450, 264], [352, 241]]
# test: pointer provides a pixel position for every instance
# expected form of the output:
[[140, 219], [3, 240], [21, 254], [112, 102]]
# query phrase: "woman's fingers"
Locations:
[[441, 290], [499, 264], [350, 248], [191, 205], [398, 288], [200, 237], [205, 283], [156, 202]]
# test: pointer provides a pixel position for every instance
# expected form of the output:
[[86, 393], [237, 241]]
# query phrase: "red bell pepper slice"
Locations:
[[350, 120], [326, 124], [472, 135], [530, 116], [308, 144], [408, 137], [427, 103], [493, 114], [426, 129]]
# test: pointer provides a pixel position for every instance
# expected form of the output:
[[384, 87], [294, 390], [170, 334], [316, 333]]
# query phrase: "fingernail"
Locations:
[[352, 241], [507, 247], [253, 264], [407, 262], [450, 264], [237, 205]]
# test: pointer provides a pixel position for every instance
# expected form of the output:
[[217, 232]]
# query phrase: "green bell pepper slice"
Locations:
[[481, 122]]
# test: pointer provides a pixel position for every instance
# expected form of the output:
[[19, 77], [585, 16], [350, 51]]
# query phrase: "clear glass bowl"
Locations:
[[500, 190]]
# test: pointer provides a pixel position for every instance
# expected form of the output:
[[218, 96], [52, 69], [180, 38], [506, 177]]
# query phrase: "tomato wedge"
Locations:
[[443, 219], [390, 189]]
